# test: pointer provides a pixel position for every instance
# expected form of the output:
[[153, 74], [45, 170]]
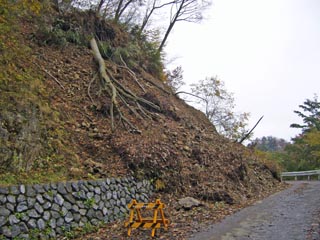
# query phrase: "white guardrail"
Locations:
[[301, 173]]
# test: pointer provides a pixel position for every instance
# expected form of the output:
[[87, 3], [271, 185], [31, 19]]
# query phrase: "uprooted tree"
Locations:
[[120, 96]]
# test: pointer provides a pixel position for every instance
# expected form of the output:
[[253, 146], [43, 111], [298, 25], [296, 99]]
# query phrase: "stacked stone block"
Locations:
[[48, 210]]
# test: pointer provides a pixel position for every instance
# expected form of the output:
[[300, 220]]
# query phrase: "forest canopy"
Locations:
[[303, 153]]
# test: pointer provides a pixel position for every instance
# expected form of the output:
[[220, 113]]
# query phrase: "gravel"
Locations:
[[290, 214]]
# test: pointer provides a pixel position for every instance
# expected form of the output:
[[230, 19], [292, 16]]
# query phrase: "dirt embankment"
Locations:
[[176, 148]]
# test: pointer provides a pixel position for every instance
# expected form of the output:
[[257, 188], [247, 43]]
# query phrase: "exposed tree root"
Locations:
[[119, 94], [89, 88], [131, 73]]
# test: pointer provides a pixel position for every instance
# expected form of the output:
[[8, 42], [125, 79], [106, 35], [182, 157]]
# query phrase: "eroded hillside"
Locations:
[[62, 126]]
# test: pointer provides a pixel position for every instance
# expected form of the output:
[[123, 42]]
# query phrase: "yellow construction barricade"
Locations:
[[149, 222]]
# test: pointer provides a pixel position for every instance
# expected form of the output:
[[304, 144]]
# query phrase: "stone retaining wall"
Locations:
[[48, 210]]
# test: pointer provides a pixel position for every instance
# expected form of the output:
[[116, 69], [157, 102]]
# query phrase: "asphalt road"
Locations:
[[293, 214]]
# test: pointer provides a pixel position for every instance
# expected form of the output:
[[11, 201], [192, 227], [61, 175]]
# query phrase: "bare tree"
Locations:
[[219, 108], [101, 2], [184, 10], [175, 78], [106, 8], [121, 8], [61, 5], [151, 7]]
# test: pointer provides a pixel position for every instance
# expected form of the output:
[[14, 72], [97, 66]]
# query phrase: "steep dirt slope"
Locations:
[[55, 125], [177, 147]]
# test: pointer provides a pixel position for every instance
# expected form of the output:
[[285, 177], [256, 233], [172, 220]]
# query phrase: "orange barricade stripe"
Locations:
[[140, 222]]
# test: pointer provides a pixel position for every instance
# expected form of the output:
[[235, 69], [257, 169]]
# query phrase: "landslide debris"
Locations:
[[177, 147]]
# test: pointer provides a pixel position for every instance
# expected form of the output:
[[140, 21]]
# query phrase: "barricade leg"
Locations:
[[155, 217], [139, 222], [130, 221]]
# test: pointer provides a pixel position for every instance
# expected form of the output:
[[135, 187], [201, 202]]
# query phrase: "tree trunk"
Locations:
[[102, 70], [99, 7], [172, 23]]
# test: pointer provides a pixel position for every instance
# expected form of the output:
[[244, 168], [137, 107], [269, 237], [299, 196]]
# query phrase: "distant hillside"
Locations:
[[56, 115], [270, 144]]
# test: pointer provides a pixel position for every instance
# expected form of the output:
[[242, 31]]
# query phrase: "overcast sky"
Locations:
[[266, 51]]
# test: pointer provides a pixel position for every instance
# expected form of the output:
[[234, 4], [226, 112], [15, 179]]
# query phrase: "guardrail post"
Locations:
[[295, 178]]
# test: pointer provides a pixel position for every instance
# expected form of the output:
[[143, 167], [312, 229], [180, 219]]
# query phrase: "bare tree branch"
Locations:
[[184, 10], [248, 134]]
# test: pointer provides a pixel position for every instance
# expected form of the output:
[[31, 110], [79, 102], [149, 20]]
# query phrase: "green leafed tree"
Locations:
[[304, 152], [310, 115], [219, 107]]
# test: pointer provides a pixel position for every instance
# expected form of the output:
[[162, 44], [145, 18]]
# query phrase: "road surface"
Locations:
[[293, 214]]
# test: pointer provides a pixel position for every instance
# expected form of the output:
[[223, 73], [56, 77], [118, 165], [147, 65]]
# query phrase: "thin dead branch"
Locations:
[[248, 134], [125, 66], [157, 86], [53, 77]]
